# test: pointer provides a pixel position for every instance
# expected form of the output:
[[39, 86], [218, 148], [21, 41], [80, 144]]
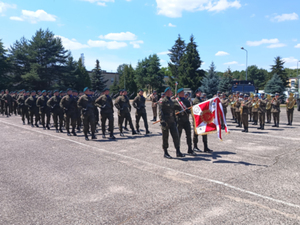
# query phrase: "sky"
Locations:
[[127, 31]]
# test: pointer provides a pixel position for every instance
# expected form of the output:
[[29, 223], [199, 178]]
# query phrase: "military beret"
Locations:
[[198, 90], [55, 91], [120, 90], [69, 89], [106, 89], [141, 90], [85, 89], [167, 89], [75, 91], [92, 90], [27, 92], [43, 91], [39, 91], [180, 90], [124, 90], [61, 92], [32, 91]]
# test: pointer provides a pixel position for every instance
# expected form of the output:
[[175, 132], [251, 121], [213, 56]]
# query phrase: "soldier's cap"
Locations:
[[180, 90], [241, 94], [262, 94], [141, 90], [198, 90], [276, 94], [39, 90], [61, 92], [27, 92], [154, 91], [43, 91], [92, 90], [105, 89], [124, 90], [167, 89], [6, 89], [256, 95], [85, 89], [237, 92], [55, 91], [75, 91], [69, 89], [221, 95], [32, 91], [246, 96], [203, 94], [163, 93], [218, 92]]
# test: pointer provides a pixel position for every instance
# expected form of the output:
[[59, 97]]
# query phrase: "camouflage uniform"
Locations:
[[124, 108], [69, 104], [44, 110], [139, 104], [57, 113], [104, 102]]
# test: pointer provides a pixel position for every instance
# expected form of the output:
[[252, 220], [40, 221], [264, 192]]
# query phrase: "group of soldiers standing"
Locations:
[[71, 109]]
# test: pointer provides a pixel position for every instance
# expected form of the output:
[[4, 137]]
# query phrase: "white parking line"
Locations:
[[163, 167]]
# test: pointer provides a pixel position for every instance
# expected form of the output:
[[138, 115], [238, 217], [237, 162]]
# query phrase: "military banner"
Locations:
[[207, 117]]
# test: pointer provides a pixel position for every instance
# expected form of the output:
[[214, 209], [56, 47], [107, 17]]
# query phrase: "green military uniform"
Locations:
[[30, 102], [237, 113], [196, 101], [123, 106], [69, 104], [246, 107], [268, 111], [225, 103], [168, 124], [139, 104], [14, 104], [7, 103], [262, 113], [78, 115], [86, 104], [1, 103], [24, 109], [276, 111], [290, 110], [57, 113], [183, 122], [44, 110], [105, 103], [154, 100], [254, 110]]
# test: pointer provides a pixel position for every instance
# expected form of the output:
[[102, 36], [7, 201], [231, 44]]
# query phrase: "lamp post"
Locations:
[[246, 60]]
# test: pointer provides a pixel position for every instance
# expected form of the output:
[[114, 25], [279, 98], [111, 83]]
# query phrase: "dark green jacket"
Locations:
[[167, 110], [41, 103], [104, 102], [182, 117], [86, 104], [53, 104], [139, 104], [68, 104], [31, 103]]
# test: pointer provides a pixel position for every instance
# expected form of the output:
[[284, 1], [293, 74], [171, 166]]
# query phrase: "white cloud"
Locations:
[[71, 44], [284, 17], [99, 2], [171, 25], [34, 17], [231, 63], [164, 53], [278, 45], [290, 60], [221, 53], [136, 44], [5, 6], [262, 41], [123, 36], [16, 18], [174, 8], [297, 46], [108, 45]]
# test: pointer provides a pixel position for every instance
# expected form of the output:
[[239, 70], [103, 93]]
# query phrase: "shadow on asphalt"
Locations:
[[240, 162]]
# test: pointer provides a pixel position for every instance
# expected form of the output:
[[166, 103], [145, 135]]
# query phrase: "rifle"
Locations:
[[175, 114]]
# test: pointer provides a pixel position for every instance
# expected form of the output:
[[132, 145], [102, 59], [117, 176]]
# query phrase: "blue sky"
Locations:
[[126, 31]]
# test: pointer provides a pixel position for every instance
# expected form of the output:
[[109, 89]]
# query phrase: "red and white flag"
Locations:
[[207, 117]]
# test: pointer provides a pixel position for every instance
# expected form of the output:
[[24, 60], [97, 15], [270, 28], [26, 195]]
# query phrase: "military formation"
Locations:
[[74, 111]]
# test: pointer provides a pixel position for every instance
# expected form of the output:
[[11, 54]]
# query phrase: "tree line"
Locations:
[[42, 62]]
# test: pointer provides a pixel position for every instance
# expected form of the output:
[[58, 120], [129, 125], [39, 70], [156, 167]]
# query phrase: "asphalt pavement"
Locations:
[[51, 178]]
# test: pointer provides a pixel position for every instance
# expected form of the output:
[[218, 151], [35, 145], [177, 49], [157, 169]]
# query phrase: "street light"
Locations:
[[246, 60]]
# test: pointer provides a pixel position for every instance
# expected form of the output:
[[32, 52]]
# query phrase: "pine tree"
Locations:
[[257, 75], [127, 74], [225, 83], [114, 88], [176, 53], [97, 79], [275, 85], [279, 70], [4, 67], [189, 73], [82, 77], [210, 82]]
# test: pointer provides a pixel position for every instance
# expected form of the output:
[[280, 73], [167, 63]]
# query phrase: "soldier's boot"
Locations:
[[274, 125], [178, 153], [235, 121], [112, 136], [57, 131], [122, 134], [147, 131], [196, 149], [262, 126], [103, 136], [94, 136], [36, 125], [23, 122], [44, 127], [32, 125], [277, 125], [166, 154], [206, 149], [86, 137], [153, 119], [78, 128], [73, 131], [125, 128], [246, 129], [68, 132], [134, 132], [190, 151], [138, 131], [47, 126], [60, 129]]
